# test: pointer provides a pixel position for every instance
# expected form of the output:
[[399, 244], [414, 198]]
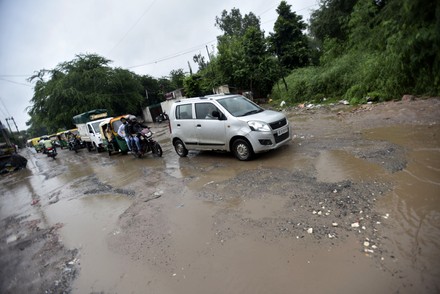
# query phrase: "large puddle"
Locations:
[[246, 264]]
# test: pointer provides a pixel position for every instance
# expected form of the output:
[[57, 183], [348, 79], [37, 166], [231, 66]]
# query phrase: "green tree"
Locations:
[[192, 86], [233, 24], [288, 41], [85, 83], [330, 21], [177, 76]]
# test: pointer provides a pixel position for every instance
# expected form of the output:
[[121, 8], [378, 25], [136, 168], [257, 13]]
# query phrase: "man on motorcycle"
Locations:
[[47, 143]]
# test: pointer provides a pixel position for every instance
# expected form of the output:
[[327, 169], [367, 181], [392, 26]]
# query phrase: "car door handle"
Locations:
[[178, 125], [199, 125]]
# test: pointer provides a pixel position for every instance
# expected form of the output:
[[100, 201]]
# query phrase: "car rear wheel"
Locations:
[[242, 150], [180, 148]]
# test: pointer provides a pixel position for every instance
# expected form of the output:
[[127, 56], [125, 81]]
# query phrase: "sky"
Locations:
[[148, 37]]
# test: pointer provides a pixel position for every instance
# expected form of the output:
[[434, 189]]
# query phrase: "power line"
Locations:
[[174, 55], [132, 27], [12, 82]]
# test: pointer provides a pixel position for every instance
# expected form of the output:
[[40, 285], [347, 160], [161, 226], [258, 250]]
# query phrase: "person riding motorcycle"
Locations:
[[47, 143]]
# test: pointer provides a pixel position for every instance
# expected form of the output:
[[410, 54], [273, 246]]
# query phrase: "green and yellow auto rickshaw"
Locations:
[[111, 140], [62, 139]]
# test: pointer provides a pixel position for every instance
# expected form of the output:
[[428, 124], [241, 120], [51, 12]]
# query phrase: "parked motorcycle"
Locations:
[[51, 152], [74, 144], [162, 117], [147, 144]]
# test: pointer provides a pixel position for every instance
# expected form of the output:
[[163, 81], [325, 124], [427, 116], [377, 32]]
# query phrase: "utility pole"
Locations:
[[15, 124], [209, 56], [7, 121], [4, 134], [190, 69]]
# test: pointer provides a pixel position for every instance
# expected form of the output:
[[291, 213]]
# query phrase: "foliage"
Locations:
[[331, 19], [233, 24], [288, 41], [84, 83], [176, 77], [192, 86], [387, 49]]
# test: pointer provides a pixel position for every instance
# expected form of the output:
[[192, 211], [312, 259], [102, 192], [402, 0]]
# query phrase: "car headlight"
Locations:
[[259, 126]]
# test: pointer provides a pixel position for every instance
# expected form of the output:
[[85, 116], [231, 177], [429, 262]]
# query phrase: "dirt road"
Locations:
[[351, 205]]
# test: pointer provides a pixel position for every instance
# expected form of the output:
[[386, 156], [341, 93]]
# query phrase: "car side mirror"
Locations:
[[218, 115]]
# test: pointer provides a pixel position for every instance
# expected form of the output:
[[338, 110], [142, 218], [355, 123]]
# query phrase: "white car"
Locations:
[[227, 123]]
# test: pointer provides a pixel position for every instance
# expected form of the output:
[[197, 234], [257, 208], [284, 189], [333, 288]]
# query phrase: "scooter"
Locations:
[[147, 144], [162, 117], [74, 144], [51, 152]]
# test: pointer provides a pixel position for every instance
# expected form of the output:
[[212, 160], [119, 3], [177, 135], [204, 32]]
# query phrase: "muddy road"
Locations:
[[351, 205]]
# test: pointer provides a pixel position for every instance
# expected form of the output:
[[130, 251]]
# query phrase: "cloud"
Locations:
[[148, 37]]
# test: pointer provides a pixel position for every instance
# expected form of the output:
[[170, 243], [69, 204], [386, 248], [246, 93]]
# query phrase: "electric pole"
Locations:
[[7, 121]]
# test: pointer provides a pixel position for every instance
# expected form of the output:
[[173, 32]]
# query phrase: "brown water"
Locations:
[[202, 262]]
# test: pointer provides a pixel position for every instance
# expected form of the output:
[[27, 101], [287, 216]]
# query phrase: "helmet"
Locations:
[[131, 117]]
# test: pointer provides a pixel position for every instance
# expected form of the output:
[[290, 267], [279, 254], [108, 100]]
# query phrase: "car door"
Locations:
[[184, 125], [210, 131]]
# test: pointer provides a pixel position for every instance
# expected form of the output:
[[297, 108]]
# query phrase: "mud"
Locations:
[[350, 205]]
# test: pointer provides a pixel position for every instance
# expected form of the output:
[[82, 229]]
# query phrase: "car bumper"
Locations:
[[265, 141]]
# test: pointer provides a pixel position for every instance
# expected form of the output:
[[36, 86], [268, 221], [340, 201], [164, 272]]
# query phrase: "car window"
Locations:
[[204, 110], [184, 111], [239, 106]]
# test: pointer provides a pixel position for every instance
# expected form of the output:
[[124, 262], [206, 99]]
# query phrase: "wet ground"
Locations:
[[351, 205]]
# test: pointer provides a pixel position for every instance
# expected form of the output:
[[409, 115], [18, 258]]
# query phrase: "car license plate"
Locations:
[[282, 131]]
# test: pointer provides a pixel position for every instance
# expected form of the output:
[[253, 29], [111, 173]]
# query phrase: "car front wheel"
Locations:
[[242, 150], [180, 148]]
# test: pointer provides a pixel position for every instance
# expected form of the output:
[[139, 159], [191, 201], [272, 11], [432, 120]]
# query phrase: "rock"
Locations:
[[310, 230], [355, 225], [407, 98]]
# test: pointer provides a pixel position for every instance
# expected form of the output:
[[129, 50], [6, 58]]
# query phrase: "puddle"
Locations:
[[414, 204], [337, 165], [88, 222], [262, 207]]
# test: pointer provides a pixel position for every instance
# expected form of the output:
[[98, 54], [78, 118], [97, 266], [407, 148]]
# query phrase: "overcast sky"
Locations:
[[148, 37]]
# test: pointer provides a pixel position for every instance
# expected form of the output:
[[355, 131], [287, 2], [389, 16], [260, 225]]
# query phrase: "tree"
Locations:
[[177, 76], [288, 41], [200, 60], [331, 19], [233, 24], [85, 83]]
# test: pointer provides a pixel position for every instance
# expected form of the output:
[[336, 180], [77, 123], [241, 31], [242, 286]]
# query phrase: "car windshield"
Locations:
[[239, 106], [95, 126]]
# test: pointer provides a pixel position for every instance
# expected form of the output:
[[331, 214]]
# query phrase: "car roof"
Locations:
[[207, 97]]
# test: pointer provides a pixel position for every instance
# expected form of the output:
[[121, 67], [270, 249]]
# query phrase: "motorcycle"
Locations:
[[51, 152], [74, 144], [147, 144], [162, 117]]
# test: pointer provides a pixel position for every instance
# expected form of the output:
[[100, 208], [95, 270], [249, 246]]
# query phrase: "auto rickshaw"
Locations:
[[35, 143], [111, 140], [62, 139]]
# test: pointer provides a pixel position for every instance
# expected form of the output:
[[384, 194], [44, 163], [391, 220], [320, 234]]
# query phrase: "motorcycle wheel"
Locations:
[[157, 150]]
